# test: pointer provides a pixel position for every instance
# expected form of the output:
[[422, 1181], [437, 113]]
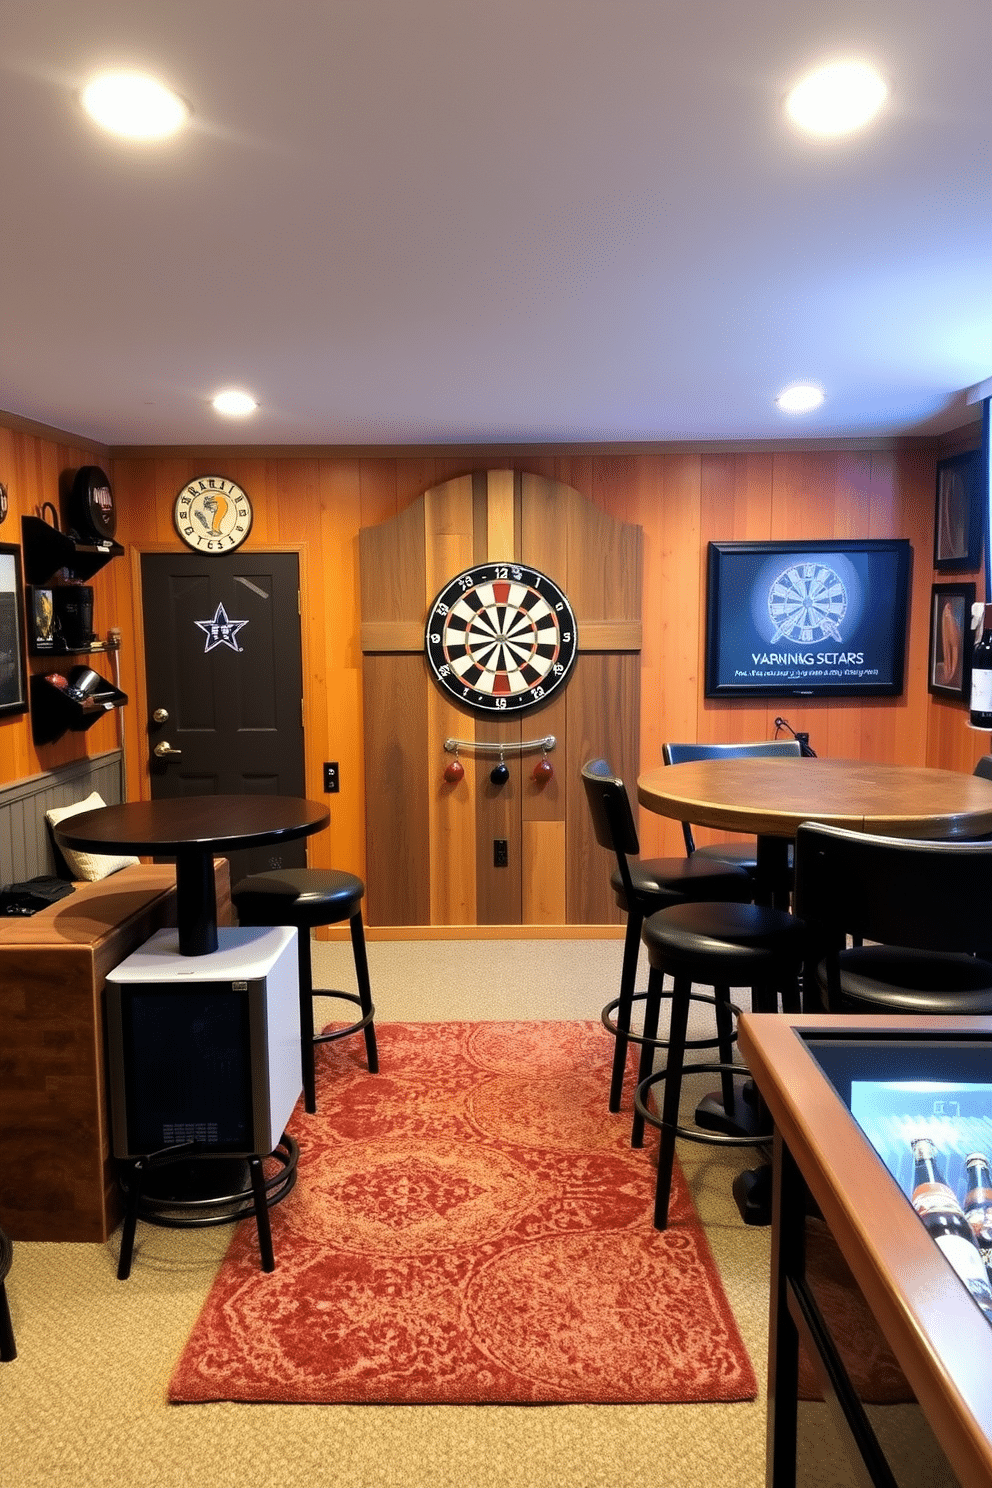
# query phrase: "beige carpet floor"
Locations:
[[83, 1405]]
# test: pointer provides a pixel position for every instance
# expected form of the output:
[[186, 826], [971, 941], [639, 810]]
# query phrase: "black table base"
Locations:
[[179, 1189]]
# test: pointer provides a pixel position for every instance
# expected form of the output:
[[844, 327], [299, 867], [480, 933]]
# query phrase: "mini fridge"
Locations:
[[205, 1049]]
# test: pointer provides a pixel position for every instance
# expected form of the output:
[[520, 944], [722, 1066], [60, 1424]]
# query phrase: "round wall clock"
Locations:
[[212, 515], [501, 637]]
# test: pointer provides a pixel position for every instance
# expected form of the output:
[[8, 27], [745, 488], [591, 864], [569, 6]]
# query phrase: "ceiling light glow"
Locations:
[[836, 99], [234, 403], [134, 106], [801, 397]]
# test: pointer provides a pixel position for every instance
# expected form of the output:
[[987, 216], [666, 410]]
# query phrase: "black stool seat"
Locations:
[[7, 1349], [899, 979], [307, 897], [722, 945], [673, 880]]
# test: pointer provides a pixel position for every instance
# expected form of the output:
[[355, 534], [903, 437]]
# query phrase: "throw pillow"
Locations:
[[84, 865]]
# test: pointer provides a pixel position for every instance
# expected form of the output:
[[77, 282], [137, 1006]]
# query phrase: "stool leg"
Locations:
[[8, 1350], [306, 1020], [364, 988], [673, 1094], [628, 977], [652, 1011], [130, 1222], [792, 992], [262, 1211], [724, 1032]]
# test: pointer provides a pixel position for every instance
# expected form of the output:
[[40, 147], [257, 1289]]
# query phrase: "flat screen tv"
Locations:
[[806, 619]]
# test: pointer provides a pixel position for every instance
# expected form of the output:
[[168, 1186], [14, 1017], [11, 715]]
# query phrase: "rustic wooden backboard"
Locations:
[[430, 844]]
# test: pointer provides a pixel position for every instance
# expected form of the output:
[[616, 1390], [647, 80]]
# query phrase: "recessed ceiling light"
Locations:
[[802, 397], [134, 106], [836, 99], [234, 404]]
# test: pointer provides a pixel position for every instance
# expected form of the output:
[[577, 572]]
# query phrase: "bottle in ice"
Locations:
[[978, 1203], [937, 1205]]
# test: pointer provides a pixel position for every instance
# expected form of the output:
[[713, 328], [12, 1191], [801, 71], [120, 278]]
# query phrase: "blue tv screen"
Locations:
[[806, 619]]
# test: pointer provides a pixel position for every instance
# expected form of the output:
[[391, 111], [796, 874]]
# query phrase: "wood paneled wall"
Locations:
[[319, 502], [34, 468]]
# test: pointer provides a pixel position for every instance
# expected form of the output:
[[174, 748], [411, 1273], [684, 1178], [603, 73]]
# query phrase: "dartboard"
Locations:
[[500, 638], [806, 603]]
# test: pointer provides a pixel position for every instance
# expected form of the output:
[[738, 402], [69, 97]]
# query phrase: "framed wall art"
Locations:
[[822, 618], [957, 517], [949, 671], [13, 678]]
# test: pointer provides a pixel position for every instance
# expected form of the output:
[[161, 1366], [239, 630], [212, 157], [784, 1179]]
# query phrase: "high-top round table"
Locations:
[[771, 797], [192, 829]]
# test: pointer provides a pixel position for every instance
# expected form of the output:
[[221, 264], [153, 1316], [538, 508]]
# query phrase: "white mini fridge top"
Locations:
[[205, 1049]]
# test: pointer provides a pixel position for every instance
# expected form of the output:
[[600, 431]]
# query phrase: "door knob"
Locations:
[[160, 715], [166, 751]]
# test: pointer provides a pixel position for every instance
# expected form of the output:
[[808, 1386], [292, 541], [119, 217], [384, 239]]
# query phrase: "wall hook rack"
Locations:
[[493, 746]]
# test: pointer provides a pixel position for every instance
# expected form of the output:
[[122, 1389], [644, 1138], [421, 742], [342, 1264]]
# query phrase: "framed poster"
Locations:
[[807, 619], [13, 684], [957, 517], [41, 620], [949, 670]]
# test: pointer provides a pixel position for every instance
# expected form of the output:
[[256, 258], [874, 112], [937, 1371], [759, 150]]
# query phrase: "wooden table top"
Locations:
[[200, 823], [771, 797], [939, 1336]]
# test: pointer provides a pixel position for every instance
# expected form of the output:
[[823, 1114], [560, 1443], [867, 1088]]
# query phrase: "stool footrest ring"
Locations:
[[660, 1043], [690, 1133], [339, 1033]]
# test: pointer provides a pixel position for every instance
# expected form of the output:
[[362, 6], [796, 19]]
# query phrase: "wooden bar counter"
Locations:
[[938, 1335], [57, 1179]]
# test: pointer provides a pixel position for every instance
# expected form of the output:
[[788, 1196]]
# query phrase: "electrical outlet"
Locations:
[[501, 853], [332, 780]]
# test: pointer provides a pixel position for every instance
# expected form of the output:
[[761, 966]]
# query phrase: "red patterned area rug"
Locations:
[[470, 1226]]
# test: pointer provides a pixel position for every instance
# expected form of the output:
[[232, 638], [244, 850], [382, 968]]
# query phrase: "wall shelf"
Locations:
[[90, 650], [47, 551], [73, 703]]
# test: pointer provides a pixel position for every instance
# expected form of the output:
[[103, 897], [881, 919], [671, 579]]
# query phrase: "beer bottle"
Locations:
[[978, 1203], [936, 1204]]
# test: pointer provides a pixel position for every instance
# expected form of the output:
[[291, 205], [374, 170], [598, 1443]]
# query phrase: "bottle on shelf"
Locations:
[[981, 675], [937, 1205], [978, 1203]]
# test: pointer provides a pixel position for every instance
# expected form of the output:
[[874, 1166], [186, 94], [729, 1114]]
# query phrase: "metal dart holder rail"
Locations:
[[485, 746]]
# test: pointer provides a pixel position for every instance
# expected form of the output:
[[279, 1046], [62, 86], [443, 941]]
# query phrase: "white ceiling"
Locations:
[[410, 221]]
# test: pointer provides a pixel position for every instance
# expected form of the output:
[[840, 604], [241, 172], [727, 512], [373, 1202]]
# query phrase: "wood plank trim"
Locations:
[[392, 635], [408, 635], [609, 635]]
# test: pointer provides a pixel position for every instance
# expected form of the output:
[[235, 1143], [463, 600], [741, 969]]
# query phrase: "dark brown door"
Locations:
[[224, 673]]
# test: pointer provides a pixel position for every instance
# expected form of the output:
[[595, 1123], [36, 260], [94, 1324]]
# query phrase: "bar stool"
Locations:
[[722, 946], [641, 886], [306, 897]]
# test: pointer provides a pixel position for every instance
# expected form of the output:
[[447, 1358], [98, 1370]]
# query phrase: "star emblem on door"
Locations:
[[221, 631]]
